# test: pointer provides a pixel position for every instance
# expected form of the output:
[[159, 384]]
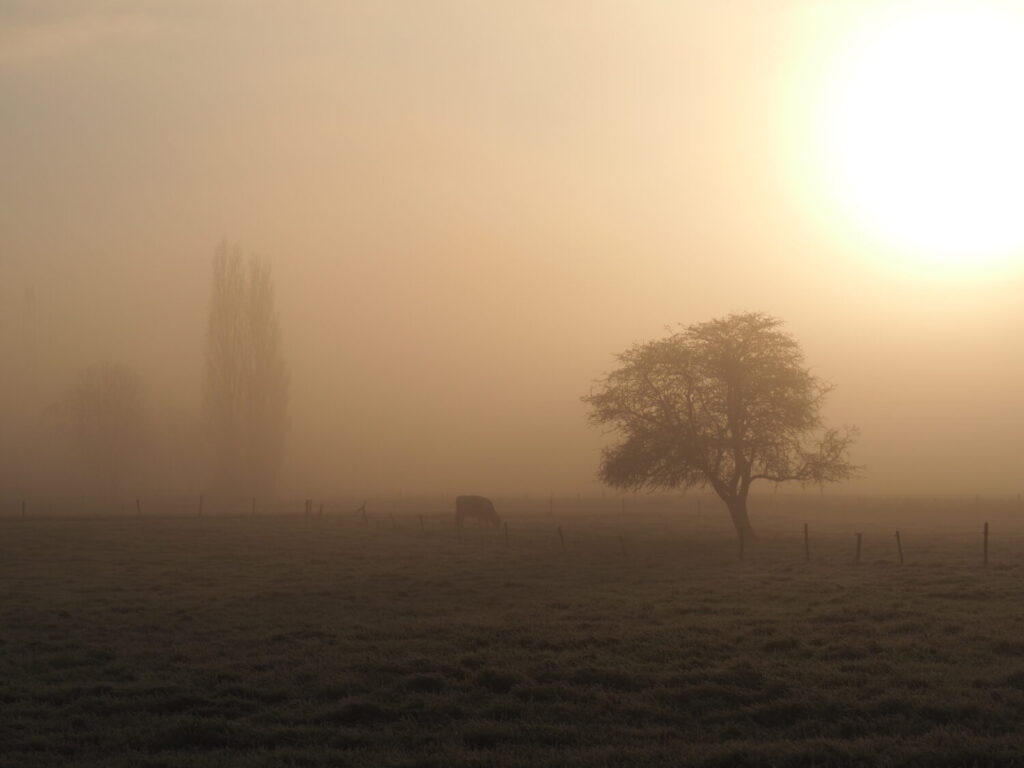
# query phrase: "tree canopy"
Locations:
[[723, 404]]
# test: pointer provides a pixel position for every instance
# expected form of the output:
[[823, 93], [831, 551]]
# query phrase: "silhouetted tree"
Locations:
[[723, 403], [246, 394], [106, 413]]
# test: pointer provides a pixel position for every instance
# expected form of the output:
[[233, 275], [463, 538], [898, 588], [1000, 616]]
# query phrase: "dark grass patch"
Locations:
[[607, 678], [360, 713], [1015, 680], [545, 693], [175, 703], [1008, 648], [782, 645], [498, 681], [424, 683], [487, 735], [192, 734]]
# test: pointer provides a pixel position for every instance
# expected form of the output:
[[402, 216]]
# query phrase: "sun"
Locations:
[[923, 132]]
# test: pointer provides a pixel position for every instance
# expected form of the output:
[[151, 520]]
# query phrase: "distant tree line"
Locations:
[[107, 415], [721, 404]]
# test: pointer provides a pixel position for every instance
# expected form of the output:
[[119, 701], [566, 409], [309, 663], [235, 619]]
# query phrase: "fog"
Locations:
[[468, 210]]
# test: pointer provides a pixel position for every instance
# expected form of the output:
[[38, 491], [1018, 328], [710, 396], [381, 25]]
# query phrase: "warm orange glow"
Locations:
[[469, 207], [923, 133]]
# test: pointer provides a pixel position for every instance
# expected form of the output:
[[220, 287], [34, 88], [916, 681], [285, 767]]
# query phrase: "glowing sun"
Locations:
[[924, 131]]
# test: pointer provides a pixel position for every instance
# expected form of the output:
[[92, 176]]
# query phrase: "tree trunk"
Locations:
[[740, 519]]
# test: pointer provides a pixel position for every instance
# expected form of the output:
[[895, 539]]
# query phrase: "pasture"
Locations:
[[292, 640]]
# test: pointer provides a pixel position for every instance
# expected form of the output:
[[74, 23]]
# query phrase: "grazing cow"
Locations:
[[479, 507]]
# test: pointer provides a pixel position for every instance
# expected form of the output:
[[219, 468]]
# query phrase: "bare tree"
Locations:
[[723, 403], [106, 413], [246, 394]]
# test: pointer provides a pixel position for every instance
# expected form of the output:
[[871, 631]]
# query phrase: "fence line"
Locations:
[[651, 540]]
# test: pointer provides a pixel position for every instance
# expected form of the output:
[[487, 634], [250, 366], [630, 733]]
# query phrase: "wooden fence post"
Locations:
[[22, 507], [899, 547], [743, 541], [254, 505], [807, 545], [986, 544], [138, 507], [622, 545], [561, 537], [857, 558], [200, 505], [506, 535]]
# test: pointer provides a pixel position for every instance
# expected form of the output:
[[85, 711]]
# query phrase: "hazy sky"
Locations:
[[470, 207]]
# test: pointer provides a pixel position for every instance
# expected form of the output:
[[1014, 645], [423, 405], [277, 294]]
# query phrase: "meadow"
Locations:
[[292, 640]]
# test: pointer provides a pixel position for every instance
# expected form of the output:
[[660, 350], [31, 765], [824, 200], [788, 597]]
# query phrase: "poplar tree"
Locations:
[[246, 392]]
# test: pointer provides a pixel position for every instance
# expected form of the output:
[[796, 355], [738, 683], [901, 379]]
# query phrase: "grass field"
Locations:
[[292, 641]]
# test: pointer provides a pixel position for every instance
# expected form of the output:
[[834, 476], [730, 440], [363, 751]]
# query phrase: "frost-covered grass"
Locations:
[[277, 641]]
